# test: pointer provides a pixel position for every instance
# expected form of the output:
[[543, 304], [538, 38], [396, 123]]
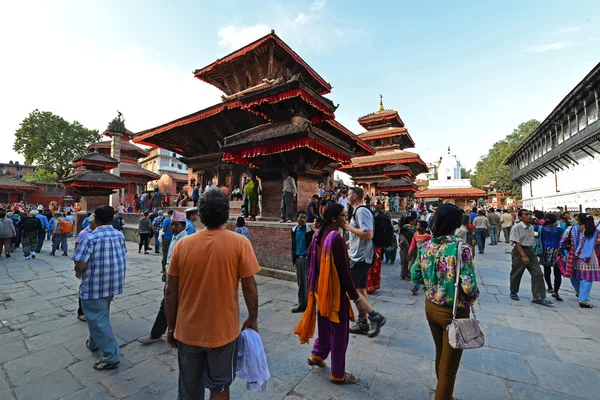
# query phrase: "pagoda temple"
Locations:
[[273, 117], [127, 155], [93, 181], [392, 169]]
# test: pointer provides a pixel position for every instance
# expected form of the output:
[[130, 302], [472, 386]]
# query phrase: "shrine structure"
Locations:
[[449, 187], [93, 181], [127, 155], [273, 117], [392, 169]]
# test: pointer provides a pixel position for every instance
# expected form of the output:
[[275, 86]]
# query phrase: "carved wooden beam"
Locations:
[[247, 72], [229, 91], [258, 67], [232, 128], [235, 78], [215, 83], [217, 131], [271, 55]]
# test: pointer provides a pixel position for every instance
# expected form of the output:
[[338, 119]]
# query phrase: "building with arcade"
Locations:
[[558, 165]]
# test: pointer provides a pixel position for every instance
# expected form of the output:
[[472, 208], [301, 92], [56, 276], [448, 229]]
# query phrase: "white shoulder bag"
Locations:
[[463, 333]]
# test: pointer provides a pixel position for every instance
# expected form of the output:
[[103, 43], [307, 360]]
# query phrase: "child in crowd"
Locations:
[[420, 237]]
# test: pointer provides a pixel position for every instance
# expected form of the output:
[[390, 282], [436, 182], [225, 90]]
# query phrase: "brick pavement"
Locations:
[[532, 352]]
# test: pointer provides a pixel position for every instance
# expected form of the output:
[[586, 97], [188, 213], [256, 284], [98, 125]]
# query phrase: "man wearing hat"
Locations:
[[192, 216], [178, 227]]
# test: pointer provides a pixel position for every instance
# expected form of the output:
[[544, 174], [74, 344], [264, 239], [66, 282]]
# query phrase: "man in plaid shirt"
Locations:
[[100, 264]]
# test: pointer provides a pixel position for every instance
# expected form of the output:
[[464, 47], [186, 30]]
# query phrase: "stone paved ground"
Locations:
[[532, 352]]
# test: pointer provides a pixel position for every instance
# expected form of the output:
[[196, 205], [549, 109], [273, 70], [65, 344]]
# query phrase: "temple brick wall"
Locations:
[[271, 198], [272, 243], [307, 187]]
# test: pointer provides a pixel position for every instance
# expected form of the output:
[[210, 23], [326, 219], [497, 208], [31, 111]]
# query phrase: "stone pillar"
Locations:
[[115, 152]]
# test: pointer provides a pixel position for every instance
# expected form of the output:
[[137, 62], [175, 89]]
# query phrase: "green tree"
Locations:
[[51, 143], [490, 169], [465, 173], [40, 176]]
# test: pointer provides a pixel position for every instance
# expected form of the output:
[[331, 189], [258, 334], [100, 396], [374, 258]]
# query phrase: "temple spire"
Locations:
[[448, 149], [381, 103]]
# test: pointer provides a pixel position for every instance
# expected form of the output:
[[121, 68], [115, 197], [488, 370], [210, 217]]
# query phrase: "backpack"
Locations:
[[117, 224], [31, 224], [64, 227], [538, 247], [383, 232]]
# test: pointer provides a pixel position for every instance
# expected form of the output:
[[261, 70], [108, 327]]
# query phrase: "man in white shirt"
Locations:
[[343, 200], [289, 192]]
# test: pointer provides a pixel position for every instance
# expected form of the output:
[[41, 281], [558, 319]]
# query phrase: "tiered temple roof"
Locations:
[[265, 84], [129, 156], [95, 174], [386, 133]]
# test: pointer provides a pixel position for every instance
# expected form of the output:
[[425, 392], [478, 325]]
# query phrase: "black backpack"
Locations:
[[117, 224], [31, 224], [383, 233]]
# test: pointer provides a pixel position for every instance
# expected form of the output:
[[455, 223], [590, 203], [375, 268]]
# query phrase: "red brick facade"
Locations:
[[272, 244]]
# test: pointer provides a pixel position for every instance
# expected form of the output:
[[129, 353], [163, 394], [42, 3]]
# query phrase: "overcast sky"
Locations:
[[462, 74]]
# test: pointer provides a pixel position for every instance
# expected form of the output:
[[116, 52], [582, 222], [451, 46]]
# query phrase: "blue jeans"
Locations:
[[493, 232], [480, 235], [582, 287], [97, 313]]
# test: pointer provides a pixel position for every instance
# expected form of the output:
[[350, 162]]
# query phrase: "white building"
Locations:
[[165, 162], [558, 165], [449, 187]]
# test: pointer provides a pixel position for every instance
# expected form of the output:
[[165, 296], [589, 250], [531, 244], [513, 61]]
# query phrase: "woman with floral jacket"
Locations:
[[435, 267]]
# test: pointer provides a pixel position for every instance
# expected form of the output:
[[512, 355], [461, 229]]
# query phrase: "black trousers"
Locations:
[[144, 237], [302, 265], [160, 323], [40, 242], [557, 278]]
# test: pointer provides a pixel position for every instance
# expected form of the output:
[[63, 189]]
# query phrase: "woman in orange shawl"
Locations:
[[330, 285]]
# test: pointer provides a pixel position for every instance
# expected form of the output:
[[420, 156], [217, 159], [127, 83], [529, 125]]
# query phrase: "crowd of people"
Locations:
[[333, 251], [27, 226]]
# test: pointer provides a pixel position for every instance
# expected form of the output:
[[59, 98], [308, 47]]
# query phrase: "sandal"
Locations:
[[514, 296], [557, 297], [348, 378], [102, 365], [87, 344], [313, 362]]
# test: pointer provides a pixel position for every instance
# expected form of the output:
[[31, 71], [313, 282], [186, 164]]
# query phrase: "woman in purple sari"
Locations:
[[330, 285]]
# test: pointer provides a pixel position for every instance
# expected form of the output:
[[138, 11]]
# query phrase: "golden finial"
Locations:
[[381, 103], [448, 149]]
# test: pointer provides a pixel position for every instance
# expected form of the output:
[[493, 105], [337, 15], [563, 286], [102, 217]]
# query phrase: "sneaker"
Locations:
[[52, 253], [376, 323], [28, 258], [360, 327], [33, 254], [414, 290], [289, 220], [65, 254], [148, 339], [146, 252]]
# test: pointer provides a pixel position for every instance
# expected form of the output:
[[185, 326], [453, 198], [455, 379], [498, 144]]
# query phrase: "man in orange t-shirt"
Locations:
[[202, 300]]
